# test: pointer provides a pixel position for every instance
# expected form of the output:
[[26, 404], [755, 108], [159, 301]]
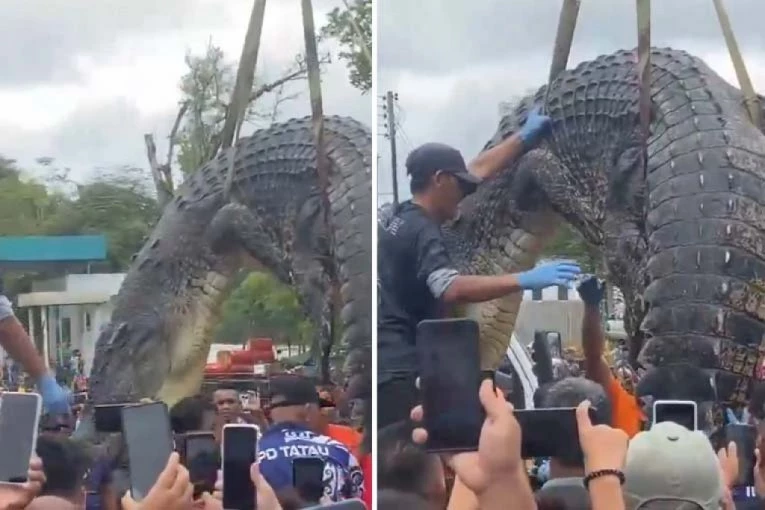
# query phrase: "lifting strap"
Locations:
[[644, 74], [751, 99]]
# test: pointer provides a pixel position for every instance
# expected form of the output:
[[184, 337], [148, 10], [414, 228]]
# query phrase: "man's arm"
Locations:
[[16, 342], [593, 336], [504, 154]]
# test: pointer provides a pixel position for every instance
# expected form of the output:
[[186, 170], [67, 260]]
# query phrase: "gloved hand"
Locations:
[[56, 399], [535, 126], [591, 291], [547, 275]]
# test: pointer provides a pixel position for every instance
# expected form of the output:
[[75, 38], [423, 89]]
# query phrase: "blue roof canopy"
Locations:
[[35, 249]]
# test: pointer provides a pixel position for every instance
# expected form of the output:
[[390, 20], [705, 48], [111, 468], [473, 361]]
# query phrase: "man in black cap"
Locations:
[[293, 402], [415, 276]]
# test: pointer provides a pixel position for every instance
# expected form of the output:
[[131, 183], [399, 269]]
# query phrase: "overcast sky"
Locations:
[[453, 61], [83, 80]]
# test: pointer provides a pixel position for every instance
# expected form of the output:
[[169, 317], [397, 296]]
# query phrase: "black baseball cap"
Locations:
[[429, 158], [292, 390]]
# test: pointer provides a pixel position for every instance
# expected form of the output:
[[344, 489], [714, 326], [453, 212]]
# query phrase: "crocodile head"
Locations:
[[158, 339]]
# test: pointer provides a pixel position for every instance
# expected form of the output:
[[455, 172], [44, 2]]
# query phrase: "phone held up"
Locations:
[[550, 432], [308, 478], [239, 450], [450, 377], [19, 422], [149, 441], [682, 412]]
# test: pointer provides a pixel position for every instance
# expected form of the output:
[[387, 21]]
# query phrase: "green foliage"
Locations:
[[206, 88], [341, 28], [261, 306], [569, 243], [115, 204]]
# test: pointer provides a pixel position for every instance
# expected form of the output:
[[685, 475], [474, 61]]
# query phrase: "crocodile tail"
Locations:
[[706, 187], [349, 147]]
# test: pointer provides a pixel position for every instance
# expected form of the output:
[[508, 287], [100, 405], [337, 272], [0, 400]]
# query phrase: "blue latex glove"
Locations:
[[547, 275], [535, 126], [55, 398], [591, 291]]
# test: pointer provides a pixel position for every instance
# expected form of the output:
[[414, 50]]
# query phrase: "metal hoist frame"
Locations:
[[565, 35]]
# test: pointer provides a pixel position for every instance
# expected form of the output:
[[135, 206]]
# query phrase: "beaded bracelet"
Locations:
[[603, 472]]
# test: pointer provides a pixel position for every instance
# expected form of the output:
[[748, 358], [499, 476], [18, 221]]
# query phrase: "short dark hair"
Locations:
[[188, 414], [402, 465], [65, 463], [677, 381], [388, 499], [570, 392]]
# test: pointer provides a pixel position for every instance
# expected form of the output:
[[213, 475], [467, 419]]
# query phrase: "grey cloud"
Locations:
[[443, 35], [39, 39], [490, 51], [111, 134]]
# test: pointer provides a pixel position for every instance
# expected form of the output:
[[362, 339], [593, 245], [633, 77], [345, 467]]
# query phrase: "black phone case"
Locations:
[[134, 455], [458, 340]]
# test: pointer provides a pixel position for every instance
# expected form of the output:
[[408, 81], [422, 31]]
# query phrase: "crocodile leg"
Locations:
[[236, 227], [314, 287]]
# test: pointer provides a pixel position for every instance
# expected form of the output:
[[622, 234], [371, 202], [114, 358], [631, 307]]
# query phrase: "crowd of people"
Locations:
[[295, 418], [626, 458]]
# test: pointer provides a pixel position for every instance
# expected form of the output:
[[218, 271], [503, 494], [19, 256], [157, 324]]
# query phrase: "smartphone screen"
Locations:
[[200, 456], [450, 376], [745, 437], [240, 446], [108, 417], [551, 432], [149, 441], [308, 478], [19, 421], [677, 411]]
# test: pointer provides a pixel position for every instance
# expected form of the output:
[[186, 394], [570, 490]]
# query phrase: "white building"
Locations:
[[70, 310]]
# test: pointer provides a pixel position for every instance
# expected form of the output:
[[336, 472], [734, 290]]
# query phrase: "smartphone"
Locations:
[[19, 422], [80, 398], [200, 454], [308, 478], [348, 504], [745, 437], [682, 412], [450, 377], [549, 432], [108, 417], [238, 452], [149, 440]]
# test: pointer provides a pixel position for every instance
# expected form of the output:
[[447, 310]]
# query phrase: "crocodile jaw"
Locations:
[[191, 337]]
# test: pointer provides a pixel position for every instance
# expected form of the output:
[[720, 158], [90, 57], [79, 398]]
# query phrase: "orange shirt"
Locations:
[[346, 435], [626, 413]]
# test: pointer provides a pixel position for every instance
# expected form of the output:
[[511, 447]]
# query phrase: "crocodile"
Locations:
[[158, 339], [678, 213]]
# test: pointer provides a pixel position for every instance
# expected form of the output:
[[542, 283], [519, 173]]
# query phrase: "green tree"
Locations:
[[116, 203], [352, 28], [261, 306]]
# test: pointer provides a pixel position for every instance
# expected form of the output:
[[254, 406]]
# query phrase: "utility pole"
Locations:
[[390, 97]]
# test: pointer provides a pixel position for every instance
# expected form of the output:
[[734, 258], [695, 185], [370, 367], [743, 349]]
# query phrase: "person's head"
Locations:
[[188, 414], [679, 381], [670, 466], [52, 503], [293, 398], [388, 499], [570, 392], [65, 463], [227, 404], [439, 179], [56, 425], [405, 466], [756, 405]]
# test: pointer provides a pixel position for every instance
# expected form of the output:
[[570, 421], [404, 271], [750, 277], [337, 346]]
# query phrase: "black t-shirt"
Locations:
[[409, 250]]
